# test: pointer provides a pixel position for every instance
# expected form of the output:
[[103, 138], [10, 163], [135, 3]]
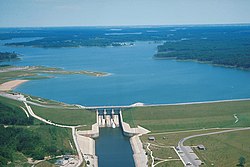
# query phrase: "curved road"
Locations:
[[186, 156]]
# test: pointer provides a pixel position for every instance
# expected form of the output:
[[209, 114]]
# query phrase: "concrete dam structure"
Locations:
[[112, 118], [108, 118]]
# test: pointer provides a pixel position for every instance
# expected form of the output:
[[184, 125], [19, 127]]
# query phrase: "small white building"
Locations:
[[201, 147], [151, 138]]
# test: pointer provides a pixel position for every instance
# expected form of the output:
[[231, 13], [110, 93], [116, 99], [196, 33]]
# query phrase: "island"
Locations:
[[8, 56]]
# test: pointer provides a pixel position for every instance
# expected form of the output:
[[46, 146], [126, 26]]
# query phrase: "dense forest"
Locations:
[[228, 48], [15, 137], [76, 37], [8, 56], [13, 116]]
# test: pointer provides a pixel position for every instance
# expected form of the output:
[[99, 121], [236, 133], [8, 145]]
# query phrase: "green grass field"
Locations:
[[164, 122], [192, 116], [171, 139], [170, 164], [166, 140], [58, 115], [66, 116], [45, 164], [223, 150], [164, 153]]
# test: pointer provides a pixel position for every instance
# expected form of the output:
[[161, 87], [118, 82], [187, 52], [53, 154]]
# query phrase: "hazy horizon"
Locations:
[[135, 26], [116, 13]]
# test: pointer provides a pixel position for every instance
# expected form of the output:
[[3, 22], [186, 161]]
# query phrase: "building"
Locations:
[[151, 138], [59, 162], [201, 147]]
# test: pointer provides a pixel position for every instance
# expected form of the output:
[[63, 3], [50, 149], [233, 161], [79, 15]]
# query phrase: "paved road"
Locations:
[[186, 154]]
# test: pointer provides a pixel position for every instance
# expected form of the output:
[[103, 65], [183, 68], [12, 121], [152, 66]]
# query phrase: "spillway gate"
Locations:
[[108, 118]]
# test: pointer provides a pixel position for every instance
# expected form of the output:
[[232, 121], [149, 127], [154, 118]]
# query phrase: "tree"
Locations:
[[242, 161]]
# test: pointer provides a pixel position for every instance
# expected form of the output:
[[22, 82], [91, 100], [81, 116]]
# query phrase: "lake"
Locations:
[[135, 77]]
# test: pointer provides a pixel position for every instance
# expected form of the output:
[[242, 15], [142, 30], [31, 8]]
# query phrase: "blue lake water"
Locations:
[[136, 76]]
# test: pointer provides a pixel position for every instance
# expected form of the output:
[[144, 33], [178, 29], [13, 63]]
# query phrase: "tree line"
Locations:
[[8, 56], [16, 137], [221, 48]]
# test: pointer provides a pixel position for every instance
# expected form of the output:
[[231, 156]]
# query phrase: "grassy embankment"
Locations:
[[166, 121], [171, 164], [186, 117], [59, 115], [66, 116]]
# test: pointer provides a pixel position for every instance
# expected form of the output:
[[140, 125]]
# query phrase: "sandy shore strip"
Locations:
[[11, 85]]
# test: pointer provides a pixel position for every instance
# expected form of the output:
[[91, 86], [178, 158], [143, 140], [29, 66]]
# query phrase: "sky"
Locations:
[[43, 13]]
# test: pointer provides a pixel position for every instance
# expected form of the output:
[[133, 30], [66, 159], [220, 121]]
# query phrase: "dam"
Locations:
[[108, 118], [112, 146]]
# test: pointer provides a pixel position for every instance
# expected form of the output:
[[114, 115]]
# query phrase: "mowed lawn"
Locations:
[[169, 139], [223, 150], [171, 164], [191, 116], [66, 116], [172, 139], [62, 115]]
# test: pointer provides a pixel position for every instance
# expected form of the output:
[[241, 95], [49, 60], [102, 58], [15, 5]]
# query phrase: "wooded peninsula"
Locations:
[[8, 56]]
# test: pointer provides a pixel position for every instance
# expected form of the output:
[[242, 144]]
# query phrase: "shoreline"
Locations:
[[10, 85], [168, 104], [202, 62]]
